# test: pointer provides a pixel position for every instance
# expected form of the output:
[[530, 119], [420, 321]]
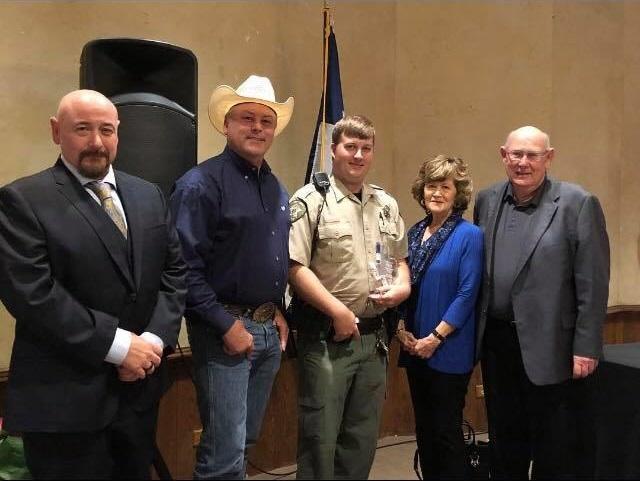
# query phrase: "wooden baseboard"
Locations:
[[180, 352], [623, 308]]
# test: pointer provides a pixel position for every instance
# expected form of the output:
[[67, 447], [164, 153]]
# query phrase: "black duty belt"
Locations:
[[262, 313], [367, 325]]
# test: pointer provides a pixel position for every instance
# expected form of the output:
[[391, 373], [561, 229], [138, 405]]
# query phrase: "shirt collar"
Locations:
[[244, 166], [341, 191], [533, 202], [110, 178]]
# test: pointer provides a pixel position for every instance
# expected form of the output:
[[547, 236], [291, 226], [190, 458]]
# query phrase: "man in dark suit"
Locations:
[[543, 304], [93, 275]]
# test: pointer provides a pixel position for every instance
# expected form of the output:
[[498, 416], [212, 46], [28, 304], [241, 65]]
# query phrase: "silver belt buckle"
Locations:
[[264, 312]]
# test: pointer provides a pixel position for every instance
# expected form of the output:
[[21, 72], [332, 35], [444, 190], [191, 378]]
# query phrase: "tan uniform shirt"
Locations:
[[347, 235]]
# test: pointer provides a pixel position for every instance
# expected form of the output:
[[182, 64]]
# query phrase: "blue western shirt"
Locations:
[[233, 222]]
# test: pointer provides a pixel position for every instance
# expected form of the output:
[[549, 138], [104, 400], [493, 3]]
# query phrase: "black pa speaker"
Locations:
[[154, 86]]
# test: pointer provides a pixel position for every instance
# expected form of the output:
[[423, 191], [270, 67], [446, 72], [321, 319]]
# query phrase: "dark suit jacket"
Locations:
[[561, 290], [70, 279]]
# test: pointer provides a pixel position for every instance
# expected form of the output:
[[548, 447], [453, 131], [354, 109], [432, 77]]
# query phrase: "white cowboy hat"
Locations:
[[254, 90]]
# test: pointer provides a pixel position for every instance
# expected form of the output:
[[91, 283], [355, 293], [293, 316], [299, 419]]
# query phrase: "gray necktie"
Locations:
[[103, 191]]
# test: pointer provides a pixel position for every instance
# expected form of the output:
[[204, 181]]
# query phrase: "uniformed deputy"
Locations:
[[342, 341]]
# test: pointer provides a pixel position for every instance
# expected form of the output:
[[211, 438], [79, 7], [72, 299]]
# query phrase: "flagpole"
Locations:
[[331, 108], [325, 63]]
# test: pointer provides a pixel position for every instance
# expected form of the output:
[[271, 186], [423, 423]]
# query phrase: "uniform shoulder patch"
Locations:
[[377, 187], [297, 209]]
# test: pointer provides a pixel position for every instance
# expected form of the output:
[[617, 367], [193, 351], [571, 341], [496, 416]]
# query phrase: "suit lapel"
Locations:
[[130, 202], [540, 223], [104, 227]]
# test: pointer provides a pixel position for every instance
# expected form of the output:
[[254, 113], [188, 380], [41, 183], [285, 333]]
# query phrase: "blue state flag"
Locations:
[[333, 111]]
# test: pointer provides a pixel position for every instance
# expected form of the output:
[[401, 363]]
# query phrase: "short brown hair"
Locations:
[[441, 168], [357, 126]]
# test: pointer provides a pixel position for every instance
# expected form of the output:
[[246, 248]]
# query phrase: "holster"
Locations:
[[307, 320], [301, 316]]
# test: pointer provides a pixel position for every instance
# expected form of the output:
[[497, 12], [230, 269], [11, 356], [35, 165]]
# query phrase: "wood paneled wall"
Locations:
[[623, 325], [179, 423]]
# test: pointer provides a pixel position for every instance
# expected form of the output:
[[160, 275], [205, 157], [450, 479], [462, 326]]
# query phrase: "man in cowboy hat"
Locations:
[[232, 217]]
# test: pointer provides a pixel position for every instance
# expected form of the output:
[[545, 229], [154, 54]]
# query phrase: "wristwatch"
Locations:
[[438, 336]]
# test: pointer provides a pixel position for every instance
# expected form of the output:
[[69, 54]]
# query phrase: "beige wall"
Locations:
[[435, 76]]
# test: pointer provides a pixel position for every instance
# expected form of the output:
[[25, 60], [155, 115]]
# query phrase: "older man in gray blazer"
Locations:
[[543, 303]]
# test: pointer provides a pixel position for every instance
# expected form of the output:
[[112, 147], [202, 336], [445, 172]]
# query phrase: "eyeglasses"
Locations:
[[518, 155]]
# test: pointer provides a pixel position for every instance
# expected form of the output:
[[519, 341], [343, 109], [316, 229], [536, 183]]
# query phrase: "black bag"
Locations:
[[477, 453]]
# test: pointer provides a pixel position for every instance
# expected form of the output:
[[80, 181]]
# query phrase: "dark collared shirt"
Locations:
[[233, 224], [512, 228]]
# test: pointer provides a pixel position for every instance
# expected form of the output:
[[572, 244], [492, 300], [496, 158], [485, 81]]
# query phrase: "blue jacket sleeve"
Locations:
[[469, 278]]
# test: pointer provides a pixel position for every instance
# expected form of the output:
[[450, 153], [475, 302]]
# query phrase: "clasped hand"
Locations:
[[141, 360], [423, 348]]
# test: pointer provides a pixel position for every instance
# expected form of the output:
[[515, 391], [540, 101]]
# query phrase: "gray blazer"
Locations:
[[561, 290]]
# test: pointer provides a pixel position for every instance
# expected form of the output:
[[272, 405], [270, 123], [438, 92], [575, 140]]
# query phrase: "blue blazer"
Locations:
[[448, 291]]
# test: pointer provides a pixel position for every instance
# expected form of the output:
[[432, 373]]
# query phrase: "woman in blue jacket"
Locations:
[[445, 256]]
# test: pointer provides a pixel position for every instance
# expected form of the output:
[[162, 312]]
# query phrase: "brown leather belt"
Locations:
[[263, 313]]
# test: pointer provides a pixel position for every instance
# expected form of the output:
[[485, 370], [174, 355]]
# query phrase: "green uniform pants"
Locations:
[[340, 394]]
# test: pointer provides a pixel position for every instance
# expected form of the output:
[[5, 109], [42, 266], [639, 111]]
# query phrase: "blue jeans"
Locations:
[[233, 392]]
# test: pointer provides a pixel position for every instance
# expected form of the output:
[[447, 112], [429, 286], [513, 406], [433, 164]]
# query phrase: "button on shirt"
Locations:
[[233, 223], [512, 229]]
